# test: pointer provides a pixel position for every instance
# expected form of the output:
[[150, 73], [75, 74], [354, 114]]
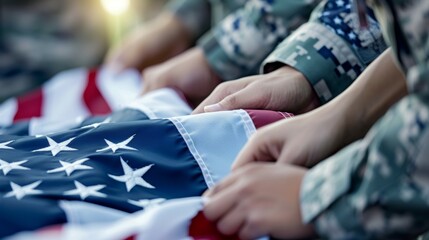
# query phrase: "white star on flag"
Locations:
[[7, 167], [4, 145], [340, 3], [116, 146], [69, 168], [21, 191], [96, 125], [86, 191], [147, 203], [337, 20], [132, 178], [55, 147]]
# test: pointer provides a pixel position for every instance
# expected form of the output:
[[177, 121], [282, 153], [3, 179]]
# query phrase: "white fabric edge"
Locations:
[[118, 89], [197, 156], [238, 127], [7, 111], [162, 103]]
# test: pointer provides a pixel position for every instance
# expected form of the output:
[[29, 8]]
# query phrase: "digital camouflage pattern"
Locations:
[[250, 30], [333, 41], [379, 187]]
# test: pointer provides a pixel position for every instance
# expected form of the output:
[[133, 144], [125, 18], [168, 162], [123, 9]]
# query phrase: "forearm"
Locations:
[[174, 31], [330, 50], [193, 15]]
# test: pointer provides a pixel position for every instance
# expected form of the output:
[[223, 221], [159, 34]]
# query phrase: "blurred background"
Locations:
[[39, 38]]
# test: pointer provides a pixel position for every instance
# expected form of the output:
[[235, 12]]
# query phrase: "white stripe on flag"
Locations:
[[63, 106], [162, 103], [119, 89], [63, 96], [215, 139], [7, 112]]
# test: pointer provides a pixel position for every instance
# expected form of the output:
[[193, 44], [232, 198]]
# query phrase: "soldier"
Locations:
[[375, 188]]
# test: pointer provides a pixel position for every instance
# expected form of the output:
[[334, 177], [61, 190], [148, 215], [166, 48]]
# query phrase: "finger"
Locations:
[[228, 181], [147, 87], [247, 98], [217, 95], [221, 203], [151, 86], [233, 220], [295, 156], [152, 82], [258, 148], [222, 91], [252, 228]]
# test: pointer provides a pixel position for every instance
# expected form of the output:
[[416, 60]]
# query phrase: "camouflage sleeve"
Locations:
[[377, 188], [194, 14], [237, 45], [331, 50]]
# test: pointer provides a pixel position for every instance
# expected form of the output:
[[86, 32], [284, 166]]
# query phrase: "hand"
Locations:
[[307, 139], [284, 89], [188, 72], [257, 200], [304, 140], [150, 44]]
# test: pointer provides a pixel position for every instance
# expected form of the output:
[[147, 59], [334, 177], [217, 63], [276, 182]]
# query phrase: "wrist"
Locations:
[[212, 76], [307, 95]]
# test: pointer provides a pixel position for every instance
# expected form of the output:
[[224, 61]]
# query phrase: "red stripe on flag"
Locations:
[[202, 229], [264, 117], [92, 97], [29, 105]]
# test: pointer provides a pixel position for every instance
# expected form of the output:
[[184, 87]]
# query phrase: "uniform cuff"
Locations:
[[218, 59], [326, 60]]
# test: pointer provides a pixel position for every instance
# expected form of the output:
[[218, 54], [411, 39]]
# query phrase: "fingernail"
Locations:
[[213, 108]]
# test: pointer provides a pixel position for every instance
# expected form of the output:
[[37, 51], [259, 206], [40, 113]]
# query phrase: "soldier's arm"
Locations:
[[330, 50], [173, 31], [238, 44], [378, 188], [195, 15], [375, 188]]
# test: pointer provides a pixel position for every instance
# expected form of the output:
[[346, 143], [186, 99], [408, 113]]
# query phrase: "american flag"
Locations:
[[86, 153]]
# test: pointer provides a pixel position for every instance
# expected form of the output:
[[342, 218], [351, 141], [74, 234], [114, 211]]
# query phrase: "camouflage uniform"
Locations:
[[378, 187], [331, 39], [249, 31]]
